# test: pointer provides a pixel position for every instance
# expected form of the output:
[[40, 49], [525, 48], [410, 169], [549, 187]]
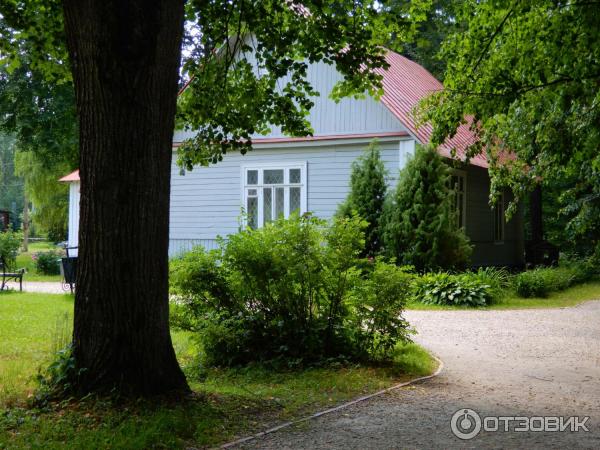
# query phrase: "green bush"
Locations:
[[47, 262], [542, 281], [367, 196], [468, 289], [498, 280], [377, 303], [419, 217], [295, 292], [10, 242], [582, 269], [531, 283]]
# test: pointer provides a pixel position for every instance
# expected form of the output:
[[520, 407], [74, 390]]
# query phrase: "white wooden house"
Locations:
[[282, 174]]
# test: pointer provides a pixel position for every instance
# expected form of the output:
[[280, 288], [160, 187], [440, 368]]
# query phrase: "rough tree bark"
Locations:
[[125, 57]]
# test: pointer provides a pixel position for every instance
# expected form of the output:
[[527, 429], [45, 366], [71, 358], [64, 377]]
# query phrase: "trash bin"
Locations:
[[68, 269]]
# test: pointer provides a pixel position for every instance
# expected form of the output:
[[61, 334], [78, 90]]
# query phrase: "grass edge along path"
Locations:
[[228, 403], [440, 367]]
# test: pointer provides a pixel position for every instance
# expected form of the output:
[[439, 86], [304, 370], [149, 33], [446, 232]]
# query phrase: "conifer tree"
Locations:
[[419, 222], [367, 195]]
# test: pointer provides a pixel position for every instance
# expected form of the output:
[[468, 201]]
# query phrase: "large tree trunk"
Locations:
[[125, 59]]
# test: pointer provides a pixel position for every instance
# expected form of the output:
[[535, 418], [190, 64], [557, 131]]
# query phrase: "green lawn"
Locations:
[[24, 261], [568, 297], [228, 403], [32, 327], [39, 246]]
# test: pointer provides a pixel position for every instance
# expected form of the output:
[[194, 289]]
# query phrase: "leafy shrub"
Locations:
[[377, 303], [498, 280], [55, 380], [10, 242], [293, 291], [367, 195], [419, 218], [531, 283], [47, 262], [582, 269], [470, 289], [542, 281]]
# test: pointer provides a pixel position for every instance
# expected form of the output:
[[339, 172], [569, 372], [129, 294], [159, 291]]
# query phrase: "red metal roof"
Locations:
[[73, 176], [405, 83]]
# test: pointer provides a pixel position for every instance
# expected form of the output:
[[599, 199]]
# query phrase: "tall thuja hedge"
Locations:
[[419, 221], [367, 195]]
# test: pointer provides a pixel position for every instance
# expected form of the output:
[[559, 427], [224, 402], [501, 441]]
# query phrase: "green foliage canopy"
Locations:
[[37, 106], [246, 61], [11, 186], [527, 72], [34, 29], [430, 23], [41, 116], [230, 98]]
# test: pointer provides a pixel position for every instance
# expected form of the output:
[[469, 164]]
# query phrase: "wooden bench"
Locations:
[[8, 275]]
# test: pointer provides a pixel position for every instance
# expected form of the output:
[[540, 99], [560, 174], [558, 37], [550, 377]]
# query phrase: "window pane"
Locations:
[[294, 199], [267, 204], [273, 176], [252, 192], [252, 211], [294, 175], [252, 177], [279, 203]]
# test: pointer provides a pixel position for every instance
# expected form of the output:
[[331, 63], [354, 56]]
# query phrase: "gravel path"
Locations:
[[498, 363], [47, 287]]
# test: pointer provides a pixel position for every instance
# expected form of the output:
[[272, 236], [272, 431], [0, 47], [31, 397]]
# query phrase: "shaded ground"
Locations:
[[498, 363]]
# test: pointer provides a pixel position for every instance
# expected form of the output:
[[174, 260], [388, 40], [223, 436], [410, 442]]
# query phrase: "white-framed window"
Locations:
[[271, 191], [499, 219], [459, 186]]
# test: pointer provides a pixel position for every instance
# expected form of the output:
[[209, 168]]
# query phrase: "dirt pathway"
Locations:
[[46, 287], [498, 363]]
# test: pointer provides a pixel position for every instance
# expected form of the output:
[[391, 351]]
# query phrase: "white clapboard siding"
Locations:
[[327, 117], [349, 115], [73, 215], [207, 202]]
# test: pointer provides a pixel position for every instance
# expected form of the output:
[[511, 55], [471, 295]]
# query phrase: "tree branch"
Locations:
[[524, 89], [492, 38]]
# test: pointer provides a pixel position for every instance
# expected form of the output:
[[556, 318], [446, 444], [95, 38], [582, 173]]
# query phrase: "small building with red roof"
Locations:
[[283, 174]]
